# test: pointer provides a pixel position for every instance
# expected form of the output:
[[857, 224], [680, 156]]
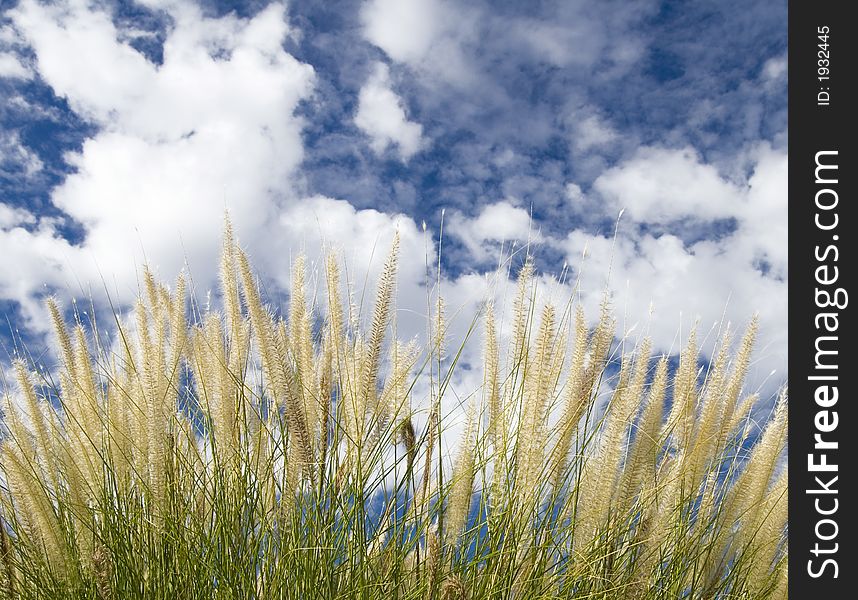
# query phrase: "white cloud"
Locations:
[[361, 237], [658, 277], [381, 115], [16, 159], [498, 222], [41, 258], [12, 67], [662, 279], [14, 216], [592, 132], [213, 127], [427, 35], [659, 185], [763, 215], [774, 69], [454, 42], [404, 29]]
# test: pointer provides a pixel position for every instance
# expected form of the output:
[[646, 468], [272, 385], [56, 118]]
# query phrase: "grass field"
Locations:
[[233, 453]]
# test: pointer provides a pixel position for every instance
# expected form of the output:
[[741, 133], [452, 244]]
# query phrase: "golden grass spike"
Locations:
[[575, 403], [640, 467], [600, 345], [86, 427], [102, 567], [337, 344], [392, 405], [301, 344], [63, 339], [178, 332], [118, 430], [67, 376], [380, 319], [734, 385], [521, 310], [600, 473], [627, 399], [335, 307], [769, 535], [408, 438], [17, 430], [153, 296], [300, 445], [229, 279], [491, 381], [433, 561], [706, 448], [350, 405], [425, 492], [264, 330], [681, 419], [745, 498], [325, 377], [154, 398], [88, 398], [7, 583], [140, 390], [762, 466], [638, 380], [235, 382], [557, 359], [453, 588], [742, 362], [34, 508], [622, 412], [740, 415], [216, 385], [461, 492], [43, 447], [661, 504], [531, 435], [439, 335]]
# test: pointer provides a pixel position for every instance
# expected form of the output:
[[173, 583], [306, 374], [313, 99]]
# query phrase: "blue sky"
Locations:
[[126, 129]]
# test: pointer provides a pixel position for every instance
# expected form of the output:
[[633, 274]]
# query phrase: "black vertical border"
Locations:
[[814, 128]]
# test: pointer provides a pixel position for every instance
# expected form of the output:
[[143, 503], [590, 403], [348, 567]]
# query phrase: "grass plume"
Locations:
[[282, 452]]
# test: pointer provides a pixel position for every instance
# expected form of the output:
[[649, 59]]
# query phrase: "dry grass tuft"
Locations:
[[238, 453]]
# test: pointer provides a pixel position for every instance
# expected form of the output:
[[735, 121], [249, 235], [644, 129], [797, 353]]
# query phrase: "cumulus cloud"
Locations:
[[404, 29], [453, 41], [17, 161], [592, 132], [659, 185], [774, 70], [663, 280], [11, 217], [212, 127], [42, 258], [381, 115], [12, 67], [498, 222], [665, 283], [427, 35]]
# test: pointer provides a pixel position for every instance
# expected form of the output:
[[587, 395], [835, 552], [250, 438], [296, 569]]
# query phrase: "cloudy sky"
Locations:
[[127, 128]]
